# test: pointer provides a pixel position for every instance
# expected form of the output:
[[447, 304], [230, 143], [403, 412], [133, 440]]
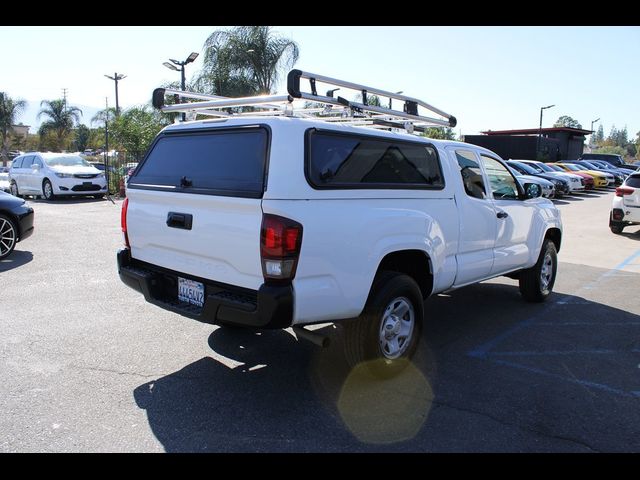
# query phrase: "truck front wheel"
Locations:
[[536, 283], [386, 334]]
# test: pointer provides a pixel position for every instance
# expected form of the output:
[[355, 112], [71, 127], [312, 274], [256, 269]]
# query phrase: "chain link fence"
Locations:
[[116, 166]]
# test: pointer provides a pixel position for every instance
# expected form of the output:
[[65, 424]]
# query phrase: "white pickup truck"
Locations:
[[273, 222]]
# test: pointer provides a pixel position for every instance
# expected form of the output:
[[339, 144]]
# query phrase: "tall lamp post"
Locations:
[[180, 64], [115, 78], [592, 122], [540, 128]]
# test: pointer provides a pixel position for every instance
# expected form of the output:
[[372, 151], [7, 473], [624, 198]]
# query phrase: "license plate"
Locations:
[[190, 291]]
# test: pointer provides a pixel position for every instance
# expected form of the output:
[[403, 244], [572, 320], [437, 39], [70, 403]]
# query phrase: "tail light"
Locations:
[[622, 191], [280, 242], [123, 221]]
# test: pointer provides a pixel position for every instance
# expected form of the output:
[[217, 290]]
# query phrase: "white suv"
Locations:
[[55, 174], [272, 222], [626, 204]]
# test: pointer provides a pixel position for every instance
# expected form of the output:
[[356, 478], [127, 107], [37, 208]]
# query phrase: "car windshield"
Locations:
[[572, 167], [67, 161], [591, 166], [526, 168], [535, 167], [544, 167], [556, 168]]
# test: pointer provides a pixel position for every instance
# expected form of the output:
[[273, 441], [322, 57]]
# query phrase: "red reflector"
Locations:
[[123, 215], [123, 221]]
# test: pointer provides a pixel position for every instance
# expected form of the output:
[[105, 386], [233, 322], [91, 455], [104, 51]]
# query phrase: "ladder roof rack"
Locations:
[[316, 106]]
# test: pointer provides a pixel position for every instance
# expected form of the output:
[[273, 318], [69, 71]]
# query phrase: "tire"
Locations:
[[536, 283], [47, 190], [8, 236], [616, 227], [386, 355], [14, 189]]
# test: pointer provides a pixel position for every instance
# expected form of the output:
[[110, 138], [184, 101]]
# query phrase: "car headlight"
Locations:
[[64, 175], [100, 175]]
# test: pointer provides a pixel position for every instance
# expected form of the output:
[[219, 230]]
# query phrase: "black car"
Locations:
[[16, 222], [612, 159]]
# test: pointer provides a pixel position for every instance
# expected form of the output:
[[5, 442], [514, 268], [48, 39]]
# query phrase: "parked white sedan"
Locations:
[[55, 174]]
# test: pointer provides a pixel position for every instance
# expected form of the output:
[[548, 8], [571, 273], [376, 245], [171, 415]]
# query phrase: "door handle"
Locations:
[[502, 215], [179, 220]]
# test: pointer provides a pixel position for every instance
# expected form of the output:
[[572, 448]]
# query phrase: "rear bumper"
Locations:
[[269, 307]]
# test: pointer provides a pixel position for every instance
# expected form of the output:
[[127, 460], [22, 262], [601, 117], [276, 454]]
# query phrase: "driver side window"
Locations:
[[503, 185]]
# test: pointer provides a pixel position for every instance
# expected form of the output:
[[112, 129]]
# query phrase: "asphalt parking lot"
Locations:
[[89, 366]]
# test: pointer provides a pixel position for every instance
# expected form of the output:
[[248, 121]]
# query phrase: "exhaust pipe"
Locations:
[[313, 337]]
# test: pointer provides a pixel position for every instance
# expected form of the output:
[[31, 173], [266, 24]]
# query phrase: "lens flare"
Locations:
[[385, 411]]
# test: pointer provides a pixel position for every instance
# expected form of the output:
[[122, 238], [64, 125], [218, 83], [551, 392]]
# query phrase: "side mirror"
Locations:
[[35, 167], [532, 190]]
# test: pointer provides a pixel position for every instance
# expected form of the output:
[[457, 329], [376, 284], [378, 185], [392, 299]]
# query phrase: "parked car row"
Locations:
[[569, 176]]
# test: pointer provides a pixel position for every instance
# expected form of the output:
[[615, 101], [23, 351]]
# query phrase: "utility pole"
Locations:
[[115, 78], [64, 98], [106, 142]]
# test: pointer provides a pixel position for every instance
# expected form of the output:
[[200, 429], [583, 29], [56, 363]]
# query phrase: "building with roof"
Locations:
[[554, 144]]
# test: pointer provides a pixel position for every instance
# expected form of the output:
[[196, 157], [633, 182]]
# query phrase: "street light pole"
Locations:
[[115, 78], [592, 122], [189, 59], [540, 129]]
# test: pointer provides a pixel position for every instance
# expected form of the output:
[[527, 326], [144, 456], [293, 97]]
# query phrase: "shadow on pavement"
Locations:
[[15, 260], [67, 200], [493, 373]]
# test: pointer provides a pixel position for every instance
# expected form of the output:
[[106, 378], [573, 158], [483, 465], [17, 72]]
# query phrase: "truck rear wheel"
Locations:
[[386, 334], [536, 283]]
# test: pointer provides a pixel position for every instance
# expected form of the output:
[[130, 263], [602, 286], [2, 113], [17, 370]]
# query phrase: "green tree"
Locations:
[[82, 135], [611, 149], [245, 60], [622, 137], [598, 137], [10, 109], [61, 120], [440, 133], [612, 139], [136, 128], [567, 121]]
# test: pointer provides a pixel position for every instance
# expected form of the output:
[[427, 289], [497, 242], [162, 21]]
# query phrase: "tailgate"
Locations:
[[195, 204]]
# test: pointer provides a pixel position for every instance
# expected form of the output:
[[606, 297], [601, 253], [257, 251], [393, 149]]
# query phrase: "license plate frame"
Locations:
[[190, 291]]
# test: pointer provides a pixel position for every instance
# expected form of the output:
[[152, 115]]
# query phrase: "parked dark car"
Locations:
[[614, 159], [16, 222]]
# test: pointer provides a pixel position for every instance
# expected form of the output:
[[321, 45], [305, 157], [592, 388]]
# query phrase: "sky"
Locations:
[[487, 77]]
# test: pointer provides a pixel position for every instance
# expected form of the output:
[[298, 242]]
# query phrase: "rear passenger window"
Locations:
[[336, 160], [17, 163], [471, 174], [26, 163], [225, 162]]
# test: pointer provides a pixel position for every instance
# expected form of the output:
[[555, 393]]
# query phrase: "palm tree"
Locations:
[[62, 119], [245, 60], [9, 111]]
